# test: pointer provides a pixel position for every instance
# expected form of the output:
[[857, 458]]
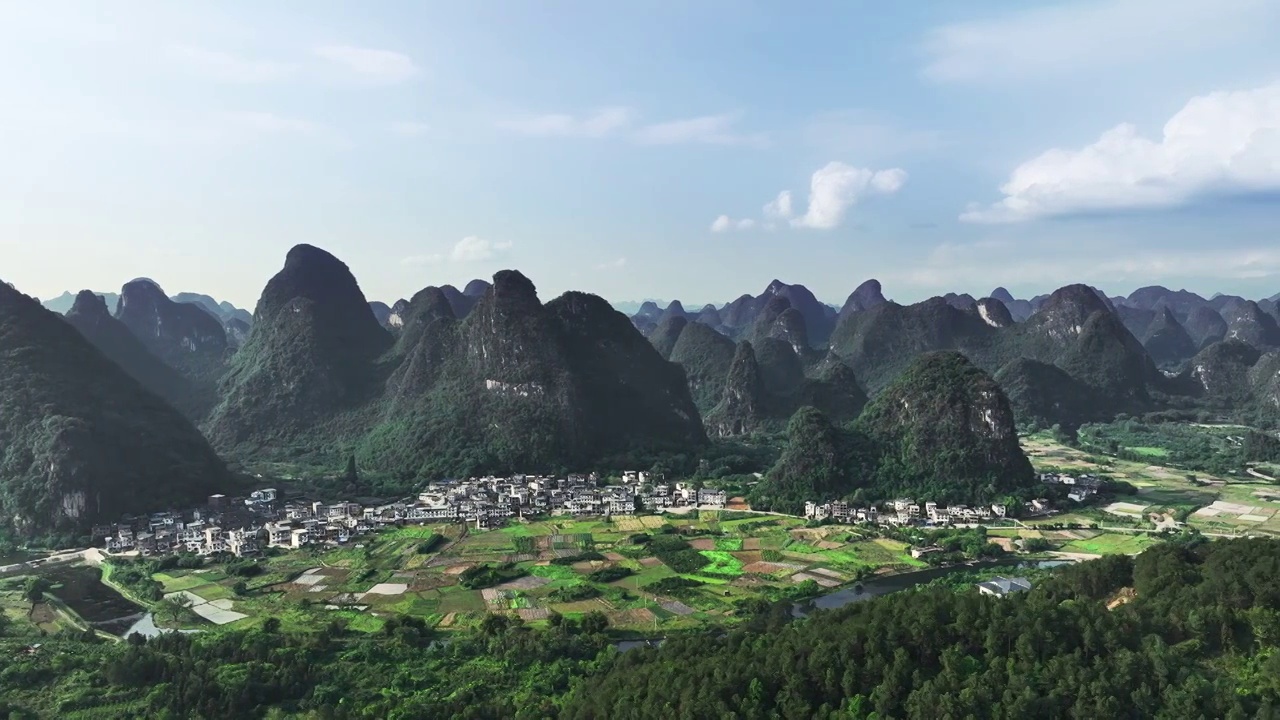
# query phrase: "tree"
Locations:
[[240, 588], [271, 625], [351, 476], [595, 622], [36, 587]]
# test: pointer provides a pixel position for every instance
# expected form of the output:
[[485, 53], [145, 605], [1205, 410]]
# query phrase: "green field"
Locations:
[[1111, 544]]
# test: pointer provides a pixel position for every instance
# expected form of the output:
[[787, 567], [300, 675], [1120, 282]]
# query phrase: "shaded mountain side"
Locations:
[[224, 311], [819, 318], [815, 465], [237, 333], [943, 430], [1137, 320], [835, 391], [780, 368], [1167, 341], [866, 296], [381, 312], [1264, 377], [1247, 322], [778, 320], [665, 336], [464, 301], [89, 315], [1222, 371], [705, 356], [80, 440], [522, 387], [1154, 297], [766, 384], [742, 407], [428, 333], [1205, 326], [1019, 310], [186, 336], [633, 397], [312, 356], [1076, 330], [879, 344], [62, 304], [1042, 394], [962, 301]]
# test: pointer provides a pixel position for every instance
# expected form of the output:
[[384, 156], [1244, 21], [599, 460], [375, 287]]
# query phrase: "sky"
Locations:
[[662, 149]]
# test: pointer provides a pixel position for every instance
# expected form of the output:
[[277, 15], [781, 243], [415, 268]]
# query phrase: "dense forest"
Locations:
[[1185, 630]]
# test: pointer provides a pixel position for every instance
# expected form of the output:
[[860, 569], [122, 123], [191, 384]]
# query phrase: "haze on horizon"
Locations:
[[672, 151]]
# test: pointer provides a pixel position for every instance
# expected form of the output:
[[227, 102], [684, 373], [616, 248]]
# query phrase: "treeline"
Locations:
[[1198, 641]]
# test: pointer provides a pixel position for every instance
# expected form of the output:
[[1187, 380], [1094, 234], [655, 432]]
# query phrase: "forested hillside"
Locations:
[[1199, 641], [80, 440]]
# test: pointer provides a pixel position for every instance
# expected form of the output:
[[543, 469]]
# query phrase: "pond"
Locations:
[[81, 588]]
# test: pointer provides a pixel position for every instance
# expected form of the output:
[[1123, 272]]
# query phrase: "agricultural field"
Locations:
[[672, 572], [1224, 504]]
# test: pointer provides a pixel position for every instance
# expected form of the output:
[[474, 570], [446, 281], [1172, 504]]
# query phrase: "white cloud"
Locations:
[[613, 264], [378, 66], [780, 207], [721, 224], [600, 123], [708, 130], [1079, 37], [475, 249], [746, 224], [409, 128], [225, 67], [836, 187], [1221, 143]]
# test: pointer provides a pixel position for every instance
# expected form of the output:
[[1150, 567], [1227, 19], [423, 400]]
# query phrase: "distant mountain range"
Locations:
[[491, 379]]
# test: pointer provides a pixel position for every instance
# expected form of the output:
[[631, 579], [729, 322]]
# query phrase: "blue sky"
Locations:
[[631, 149]]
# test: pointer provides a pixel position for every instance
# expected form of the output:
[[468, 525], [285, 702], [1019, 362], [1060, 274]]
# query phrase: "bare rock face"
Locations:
[[994, 313]]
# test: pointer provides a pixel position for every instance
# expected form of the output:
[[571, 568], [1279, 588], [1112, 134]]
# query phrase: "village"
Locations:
[[244, 527], [906, 511]]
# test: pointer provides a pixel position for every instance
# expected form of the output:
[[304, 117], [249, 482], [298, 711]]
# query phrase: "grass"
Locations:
[[1112, 544], [722, 563], [729, 544], [1153, 452]]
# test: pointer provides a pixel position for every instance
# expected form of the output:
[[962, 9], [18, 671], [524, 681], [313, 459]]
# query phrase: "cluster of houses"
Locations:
[[906, 511], [1082, 487], [491, 500], [903, 511], [245, 526]]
